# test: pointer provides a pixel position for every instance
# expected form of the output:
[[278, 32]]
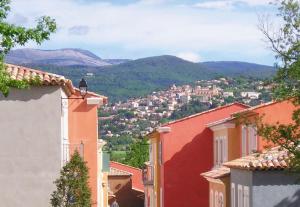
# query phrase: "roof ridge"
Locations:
[[35, 70], [205, 112], [124, 171], [118, 163]]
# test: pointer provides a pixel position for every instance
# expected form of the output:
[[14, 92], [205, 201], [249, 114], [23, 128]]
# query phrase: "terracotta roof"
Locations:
[[118, 172], [243, 111], [136, 173], [47, 79], [255, 107], [205, 112], [217, 173], [222, 121], [274, 159]]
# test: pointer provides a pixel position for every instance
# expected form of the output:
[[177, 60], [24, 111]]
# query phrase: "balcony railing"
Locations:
[[69, 149]]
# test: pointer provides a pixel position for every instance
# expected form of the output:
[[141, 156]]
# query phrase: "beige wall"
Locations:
[[30, 149], [221, 186]]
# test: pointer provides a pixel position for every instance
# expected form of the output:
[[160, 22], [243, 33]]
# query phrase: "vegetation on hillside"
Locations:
[[143, 76]]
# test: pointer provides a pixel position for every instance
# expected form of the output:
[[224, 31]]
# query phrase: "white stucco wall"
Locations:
[[30, 146]]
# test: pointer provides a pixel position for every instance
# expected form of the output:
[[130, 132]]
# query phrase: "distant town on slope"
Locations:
[[121, 79]]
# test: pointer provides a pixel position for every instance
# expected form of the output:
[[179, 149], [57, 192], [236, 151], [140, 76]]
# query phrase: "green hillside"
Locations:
[[141, 77]]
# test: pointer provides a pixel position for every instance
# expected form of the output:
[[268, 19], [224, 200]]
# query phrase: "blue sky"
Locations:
[[196, 30]]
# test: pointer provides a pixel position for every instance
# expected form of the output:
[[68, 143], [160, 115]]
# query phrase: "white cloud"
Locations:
[[215, 5], [230, 4], [139, 30], [189, 56]]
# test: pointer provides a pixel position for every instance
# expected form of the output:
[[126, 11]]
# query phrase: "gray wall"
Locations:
[[275, 189], [30, 146], [268, 188], [244, 178]]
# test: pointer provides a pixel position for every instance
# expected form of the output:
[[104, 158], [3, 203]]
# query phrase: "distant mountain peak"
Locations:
[[59, 57]]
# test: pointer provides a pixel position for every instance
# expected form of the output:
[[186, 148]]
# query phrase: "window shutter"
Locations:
[[216, 199], [160, 153], [244, 141], [246, 196], [211, 201], [225, 149], [232, 195], [240, 196]]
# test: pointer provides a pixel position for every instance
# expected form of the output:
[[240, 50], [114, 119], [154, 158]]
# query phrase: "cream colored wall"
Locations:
[[234, 143], [154, 141], [102, 178]]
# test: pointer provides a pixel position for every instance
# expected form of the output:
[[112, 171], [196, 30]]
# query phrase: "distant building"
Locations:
[[89, 74], [125, 183], [228, 94], [250, 95]]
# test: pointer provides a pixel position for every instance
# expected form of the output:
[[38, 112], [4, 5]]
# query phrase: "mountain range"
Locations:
[[120, 79], [61, 57]]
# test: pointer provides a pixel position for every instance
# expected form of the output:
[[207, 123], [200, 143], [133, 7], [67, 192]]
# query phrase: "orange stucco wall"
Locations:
[[221, 185], [83, 127], [188, 152], [272, 113]]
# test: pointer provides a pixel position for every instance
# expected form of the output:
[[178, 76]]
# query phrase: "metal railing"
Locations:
[[69, 149]]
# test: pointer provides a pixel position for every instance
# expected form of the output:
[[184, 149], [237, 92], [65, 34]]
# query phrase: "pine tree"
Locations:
[[72, 186]]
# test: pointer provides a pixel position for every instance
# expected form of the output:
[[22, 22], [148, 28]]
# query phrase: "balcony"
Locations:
[[69, 149]]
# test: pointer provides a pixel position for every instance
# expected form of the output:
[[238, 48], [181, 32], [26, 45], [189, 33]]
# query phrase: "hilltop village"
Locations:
[[139, 116]]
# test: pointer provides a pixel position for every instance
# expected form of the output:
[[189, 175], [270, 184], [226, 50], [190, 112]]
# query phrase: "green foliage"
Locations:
[[286, 45], [12, 35], [72, 186], [143, 76], [192, 107], [118, 156], [120, 143], [138, 154]]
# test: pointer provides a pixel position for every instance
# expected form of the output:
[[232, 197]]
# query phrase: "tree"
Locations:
[[286, 45], [72, 186], [12, 35], [138, 153]]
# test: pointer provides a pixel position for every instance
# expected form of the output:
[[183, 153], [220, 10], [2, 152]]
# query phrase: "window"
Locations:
[[216, 149], [221, 200], [211, 198], [150, 154], [246, 196], [160, 158], [216, 199], [220, 150], [252, 139], [244, 140], [240, 196], [232, 195]]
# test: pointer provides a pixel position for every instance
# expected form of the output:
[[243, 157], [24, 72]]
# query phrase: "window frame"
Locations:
[[216, 199], [221, 199], [211, 199], [252, 136], [232, 194], [240, 196], [244, 140], [246, 196]]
